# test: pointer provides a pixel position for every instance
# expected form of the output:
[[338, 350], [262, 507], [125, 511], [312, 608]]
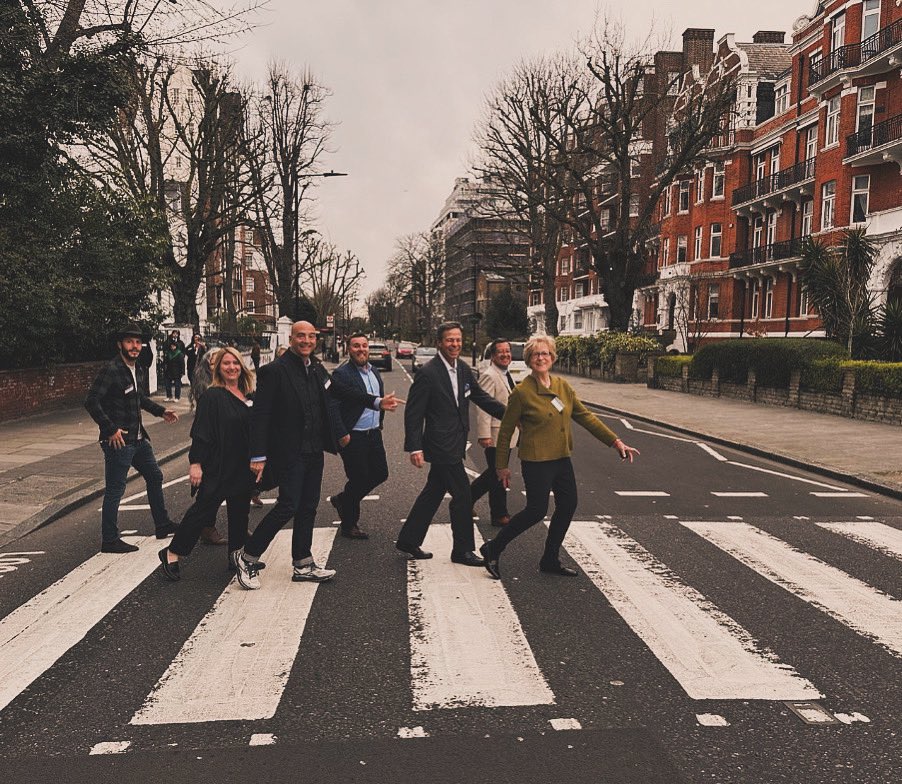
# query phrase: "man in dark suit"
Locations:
[[436, 423], [364, 457], [293, 421]]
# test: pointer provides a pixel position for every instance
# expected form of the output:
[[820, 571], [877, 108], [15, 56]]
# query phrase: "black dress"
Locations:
[[220, 443]]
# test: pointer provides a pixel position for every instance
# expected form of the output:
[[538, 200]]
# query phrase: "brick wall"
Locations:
[[35, 390]]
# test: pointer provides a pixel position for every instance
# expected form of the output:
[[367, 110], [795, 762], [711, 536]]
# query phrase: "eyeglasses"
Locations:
[[542, 354]]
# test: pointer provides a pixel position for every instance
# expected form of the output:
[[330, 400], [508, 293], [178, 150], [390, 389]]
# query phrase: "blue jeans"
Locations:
[[116, 465]]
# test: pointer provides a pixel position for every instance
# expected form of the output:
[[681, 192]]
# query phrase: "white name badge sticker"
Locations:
[[556, 402], [328, 383], [129, 389], [466, 393]]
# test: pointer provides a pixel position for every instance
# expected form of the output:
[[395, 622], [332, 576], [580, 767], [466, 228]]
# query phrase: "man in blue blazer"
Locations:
[[436, 424], [364, 455]]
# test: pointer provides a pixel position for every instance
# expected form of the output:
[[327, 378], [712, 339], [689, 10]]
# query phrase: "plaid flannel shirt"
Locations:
[[115, 404]]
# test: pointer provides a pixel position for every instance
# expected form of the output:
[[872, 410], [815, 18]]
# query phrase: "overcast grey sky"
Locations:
[[408, 78]]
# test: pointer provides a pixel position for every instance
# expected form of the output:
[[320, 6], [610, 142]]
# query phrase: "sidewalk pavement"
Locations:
[[50, 464]]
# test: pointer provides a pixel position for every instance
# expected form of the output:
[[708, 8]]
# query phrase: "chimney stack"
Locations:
[[769, 37], [698, 48]]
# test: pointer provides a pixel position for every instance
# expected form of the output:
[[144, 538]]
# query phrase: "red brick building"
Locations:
[[815, 147]]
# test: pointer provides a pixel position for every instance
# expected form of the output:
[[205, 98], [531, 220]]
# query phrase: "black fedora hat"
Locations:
[[130, 331]]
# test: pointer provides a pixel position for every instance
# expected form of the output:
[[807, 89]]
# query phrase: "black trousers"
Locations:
[[366, 468], [202, 513], [299, 488], [542, 479], [442, 478], [487, 482]]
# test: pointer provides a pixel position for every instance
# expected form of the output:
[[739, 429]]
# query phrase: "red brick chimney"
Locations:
[[698, 48]]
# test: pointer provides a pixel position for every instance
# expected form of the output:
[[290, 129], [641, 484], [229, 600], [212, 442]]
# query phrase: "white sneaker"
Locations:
[[312, 573], [247, 572], [168, 399]]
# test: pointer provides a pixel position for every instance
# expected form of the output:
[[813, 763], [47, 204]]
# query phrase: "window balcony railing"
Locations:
[[876, 136], [854, 55], [775, 182], [776, 251]]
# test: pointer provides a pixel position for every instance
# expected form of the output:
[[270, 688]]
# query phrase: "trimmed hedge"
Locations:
[[600, 349], [822, 375], [772, 359], [671, 366], [882, 379]]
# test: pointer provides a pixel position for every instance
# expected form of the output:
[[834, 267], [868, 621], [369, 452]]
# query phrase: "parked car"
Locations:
[[380, 356], [517, 369], [421, 356], [405, 349]]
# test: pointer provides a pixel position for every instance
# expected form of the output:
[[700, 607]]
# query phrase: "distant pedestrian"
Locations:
[[193, 354], [218, 456], [145, 360], [542, 406], [255, 354], [497, 381], [436, 424], [115, 402], [174, 365]]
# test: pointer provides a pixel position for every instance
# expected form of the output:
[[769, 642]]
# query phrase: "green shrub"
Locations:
[[883, 379], [772, 359], [671, 366], [822, 375], [600, 349]]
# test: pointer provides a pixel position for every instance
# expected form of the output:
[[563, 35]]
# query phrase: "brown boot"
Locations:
[[210, 535]]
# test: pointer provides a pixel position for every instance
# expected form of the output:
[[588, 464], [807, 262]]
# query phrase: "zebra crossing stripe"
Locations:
[[36, 634], [864, 609], [882, 537], [235, 664], [467, 645], [710, 655]]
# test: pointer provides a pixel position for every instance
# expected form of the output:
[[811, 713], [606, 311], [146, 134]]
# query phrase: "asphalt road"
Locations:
[[715, 589]]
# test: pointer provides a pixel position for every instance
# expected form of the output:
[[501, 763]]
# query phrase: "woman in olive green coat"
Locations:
[[542, 406]]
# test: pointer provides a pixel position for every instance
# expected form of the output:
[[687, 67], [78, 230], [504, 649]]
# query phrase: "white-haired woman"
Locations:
[[218, 456], [542, 406]]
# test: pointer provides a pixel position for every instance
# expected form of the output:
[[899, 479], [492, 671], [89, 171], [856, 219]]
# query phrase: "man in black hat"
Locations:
[[114, 402]]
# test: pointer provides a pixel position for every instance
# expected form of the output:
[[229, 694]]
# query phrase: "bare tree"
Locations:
[[417, 270], [177, 148], [331, 279], [597, 136], [382, 311], [515, 156], [286, 137]]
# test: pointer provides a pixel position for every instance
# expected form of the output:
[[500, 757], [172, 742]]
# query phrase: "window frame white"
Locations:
[[870, 11], [718, 179], [713, 252], [828, 205], [683, 193], [713, 301], [682, 249], [860, 192], [697, 244], [831, 136]]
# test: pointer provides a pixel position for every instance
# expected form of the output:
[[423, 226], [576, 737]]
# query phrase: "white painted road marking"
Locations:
[[144, 492], [565, 724], [467, 646], [711, 720], [262, 739], [783, 474], [110, 747], [643, 493], [864, 609], [885, 538], [412, 732], [739, 494], [471, 473], [711, 451], [36, 634], [840, 495], [236, 663], [710, 654]]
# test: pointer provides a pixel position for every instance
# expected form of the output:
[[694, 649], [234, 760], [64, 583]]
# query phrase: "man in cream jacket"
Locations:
[[497, 381]]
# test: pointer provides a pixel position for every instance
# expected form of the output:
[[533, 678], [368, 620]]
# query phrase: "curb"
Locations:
[[63, 506], [860, 481]]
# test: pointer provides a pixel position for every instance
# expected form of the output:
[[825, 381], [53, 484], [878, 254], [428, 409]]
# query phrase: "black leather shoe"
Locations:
[[117, 546], [413, 551], [353, 533], [170, 569], [467, 559], [490, 563], [165, 530], [559, 569]]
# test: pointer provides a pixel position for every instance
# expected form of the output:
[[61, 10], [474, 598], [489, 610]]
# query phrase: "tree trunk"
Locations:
[[184, 308]]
